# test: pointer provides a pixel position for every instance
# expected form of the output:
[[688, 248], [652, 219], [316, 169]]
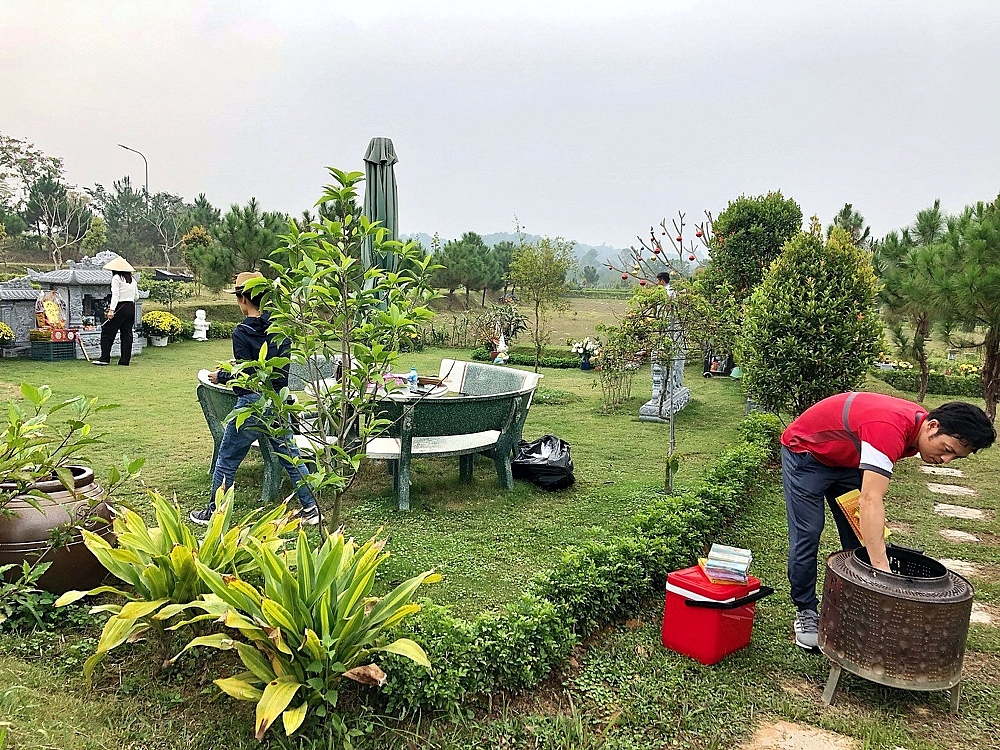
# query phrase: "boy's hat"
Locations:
[[242, 279], [119, 264]]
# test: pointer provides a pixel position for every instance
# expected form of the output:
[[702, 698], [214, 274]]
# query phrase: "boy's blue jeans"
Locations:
[[236, 444]]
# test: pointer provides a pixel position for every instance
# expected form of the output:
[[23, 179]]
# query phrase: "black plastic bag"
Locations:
[[545, 462]]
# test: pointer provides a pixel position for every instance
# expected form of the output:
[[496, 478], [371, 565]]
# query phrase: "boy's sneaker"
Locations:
[[201, 517], [807, 629], [99, 362], [308, 516]]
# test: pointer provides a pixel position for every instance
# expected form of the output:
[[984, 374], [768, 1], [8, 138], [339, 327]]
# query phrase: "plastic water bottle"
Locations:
[[412, 381]]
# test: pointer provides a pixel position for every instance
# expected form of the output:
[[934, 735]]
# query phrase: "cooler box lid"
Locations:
[[691, 583]]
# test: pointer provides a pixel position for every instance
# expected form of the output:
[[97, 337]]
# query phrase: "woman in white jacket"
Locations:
[[121, 313]]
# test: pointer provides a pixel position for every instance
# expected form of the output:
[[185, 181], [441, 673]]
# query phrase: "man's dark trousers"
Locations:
[[806, 483]]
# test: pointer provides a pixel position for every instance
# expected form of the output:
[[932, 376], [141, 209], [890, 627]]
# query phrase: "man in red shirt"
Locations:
[[851, 441]]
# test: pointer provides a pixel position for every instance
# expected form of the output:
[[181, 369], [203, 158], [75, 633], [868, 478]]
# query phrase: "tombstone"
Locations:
[[669, 394], [201, 326], [17, 310]]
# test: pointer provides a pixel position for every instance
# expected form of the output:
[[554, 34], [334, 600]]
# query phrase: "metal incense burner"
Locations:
[[905, 629]]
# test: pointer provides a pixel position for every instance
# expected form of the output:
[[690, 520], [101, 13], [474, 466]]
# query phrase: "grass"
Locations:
[[622, 689]]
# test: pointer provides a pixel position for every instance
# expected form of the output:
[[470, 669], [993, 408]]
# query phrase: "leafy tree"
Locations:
[[60, 215], [538, 270], [748, 235], [22, 166], [166, 214], [201, 214], [166, 292], [96, 237], [966, 284], [812, 327], [193, 244], [590, 276], [125, 212], [327, 305], [853, 223], [503, 252], [249, 234], [453, 259], [904, 263]]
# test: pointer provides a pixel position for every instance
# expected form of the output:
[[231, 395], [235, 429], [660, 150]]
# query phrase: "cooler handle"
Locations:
[[749, 599]]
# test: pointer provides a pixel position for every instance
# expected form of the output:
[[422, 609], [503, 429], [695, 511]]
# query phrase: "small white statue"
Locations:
[[201, 326]]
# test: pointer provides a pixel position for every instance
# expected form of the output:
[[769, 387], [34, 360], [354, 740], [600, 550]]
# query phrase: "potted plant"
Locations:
[[585, 349], [159, 326], [47, 495]]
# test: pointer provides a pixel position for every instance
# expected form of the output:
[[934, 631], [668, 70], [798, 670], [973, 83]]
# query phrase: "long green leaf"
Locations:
[[410, 649], [239, 689], [293, 718], [277, 695]]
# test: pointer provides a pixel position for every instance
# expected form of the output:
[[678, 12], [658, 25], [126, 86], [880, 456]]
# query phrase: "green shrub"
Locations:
[[762, 428], [941, 385], [525, 360], [812, 327]]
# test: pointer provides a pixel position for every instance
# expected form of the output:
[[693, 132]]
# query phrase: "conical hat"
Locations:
[[118, 264]]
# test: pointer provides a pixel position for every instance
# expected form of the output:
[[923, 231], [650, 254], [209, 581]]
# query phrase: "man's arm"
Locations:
[[872, 510]]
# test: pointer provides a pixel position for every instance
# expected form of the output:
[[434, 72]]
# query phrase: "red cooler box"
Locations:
[[708, 621]]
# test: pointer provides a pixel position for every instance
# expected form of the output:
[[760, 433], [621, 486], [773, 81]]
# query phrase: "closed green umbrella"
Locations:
[[380, 199]]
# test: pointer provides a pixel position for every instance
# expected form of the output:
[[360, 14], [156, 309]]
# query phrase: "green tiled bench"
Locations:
[[463, 427]]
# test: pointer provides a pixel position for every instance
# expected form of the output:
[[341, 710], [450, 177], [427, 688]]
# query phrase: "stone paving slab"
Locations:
[[962, 567], [954, 535], [784, 735], [981, 614], [951, 489], [942, 471], [957, 511]]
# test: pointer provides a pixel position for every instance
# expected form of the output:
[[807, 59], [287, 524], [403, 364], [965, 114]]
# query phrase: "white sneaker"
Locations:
[[807, 629], [308, 516]]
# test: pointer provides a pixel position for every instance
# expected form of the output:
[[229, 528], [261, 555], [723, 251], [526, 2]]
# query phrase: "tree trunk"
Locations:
[[538, 334], [919, 336], [166, 256], [484, 297], [991, 372]]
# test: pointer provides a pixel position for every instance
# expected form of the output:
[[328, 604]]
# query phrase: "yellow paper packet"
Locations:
[[849, 503]]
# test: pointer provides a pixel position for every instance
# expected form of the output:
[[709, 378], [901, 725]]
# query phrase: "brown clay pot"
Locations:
[[25, 534]]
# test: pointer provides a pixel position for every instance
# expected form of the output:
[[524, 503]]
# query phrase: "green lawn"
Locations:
[[623, 690]]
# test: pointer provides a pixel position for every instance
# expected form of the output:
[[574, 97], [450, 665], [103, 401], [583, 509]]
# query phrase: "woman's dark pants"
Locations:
[[124, 321]]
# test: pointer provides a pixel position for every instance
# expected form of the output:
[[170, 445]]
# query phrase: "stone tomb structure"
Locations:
[[669, 394], [17, 309], [85, 291]]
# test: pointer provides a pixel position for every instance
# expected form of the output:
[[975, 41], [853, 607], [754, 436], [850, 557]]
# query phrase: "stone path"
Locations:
[[954, 535], [784, 735], [942, 471], [962, 567], [951, 489], [957, 511]]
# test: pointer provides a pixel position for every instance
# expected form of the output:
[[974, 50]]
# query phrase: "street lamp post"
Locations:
[[143, 161]]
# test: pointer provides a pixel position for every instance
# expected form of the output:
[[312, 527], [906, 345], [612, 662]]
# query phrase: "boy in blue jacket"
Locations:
[[248, 338]]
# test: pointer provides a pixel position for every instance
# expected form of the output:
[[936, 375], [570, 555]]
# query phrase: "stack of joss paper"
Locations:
[[726, 565], [849, 502]]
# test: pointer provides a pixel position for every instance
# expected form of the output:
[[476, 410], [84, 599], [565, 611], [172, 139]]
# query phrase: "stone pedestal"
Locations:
[[92, 340], [667, 398]]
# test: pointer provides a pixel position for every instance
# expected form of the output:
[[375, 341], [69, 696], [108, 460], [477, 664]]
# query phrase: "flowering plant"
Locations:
[[587, 348], [160, 323], [6, 335]]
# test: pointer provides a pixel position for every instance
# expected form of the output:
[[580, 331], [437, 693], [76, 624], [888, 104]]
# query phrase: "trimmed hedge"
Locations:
[[941, 385], [589, 587], [526, 360]]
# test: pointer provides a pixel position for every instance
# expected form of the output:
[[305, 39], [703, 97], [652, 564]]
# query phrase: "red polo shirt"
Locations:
[[859, 429]]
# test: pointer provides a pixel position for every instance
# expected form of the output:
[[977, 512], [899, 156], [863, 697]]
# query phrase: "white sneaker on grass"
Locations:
[[308, 516], [807, 629]]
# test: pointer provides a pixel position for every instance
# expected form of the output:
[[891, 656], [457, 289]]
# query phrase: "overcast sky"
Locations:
[[589, 120]]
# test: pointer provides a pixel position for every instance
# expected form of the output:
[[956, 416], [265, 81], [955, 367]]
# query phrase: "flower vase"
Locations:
[[585, 363], [158, 340]]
